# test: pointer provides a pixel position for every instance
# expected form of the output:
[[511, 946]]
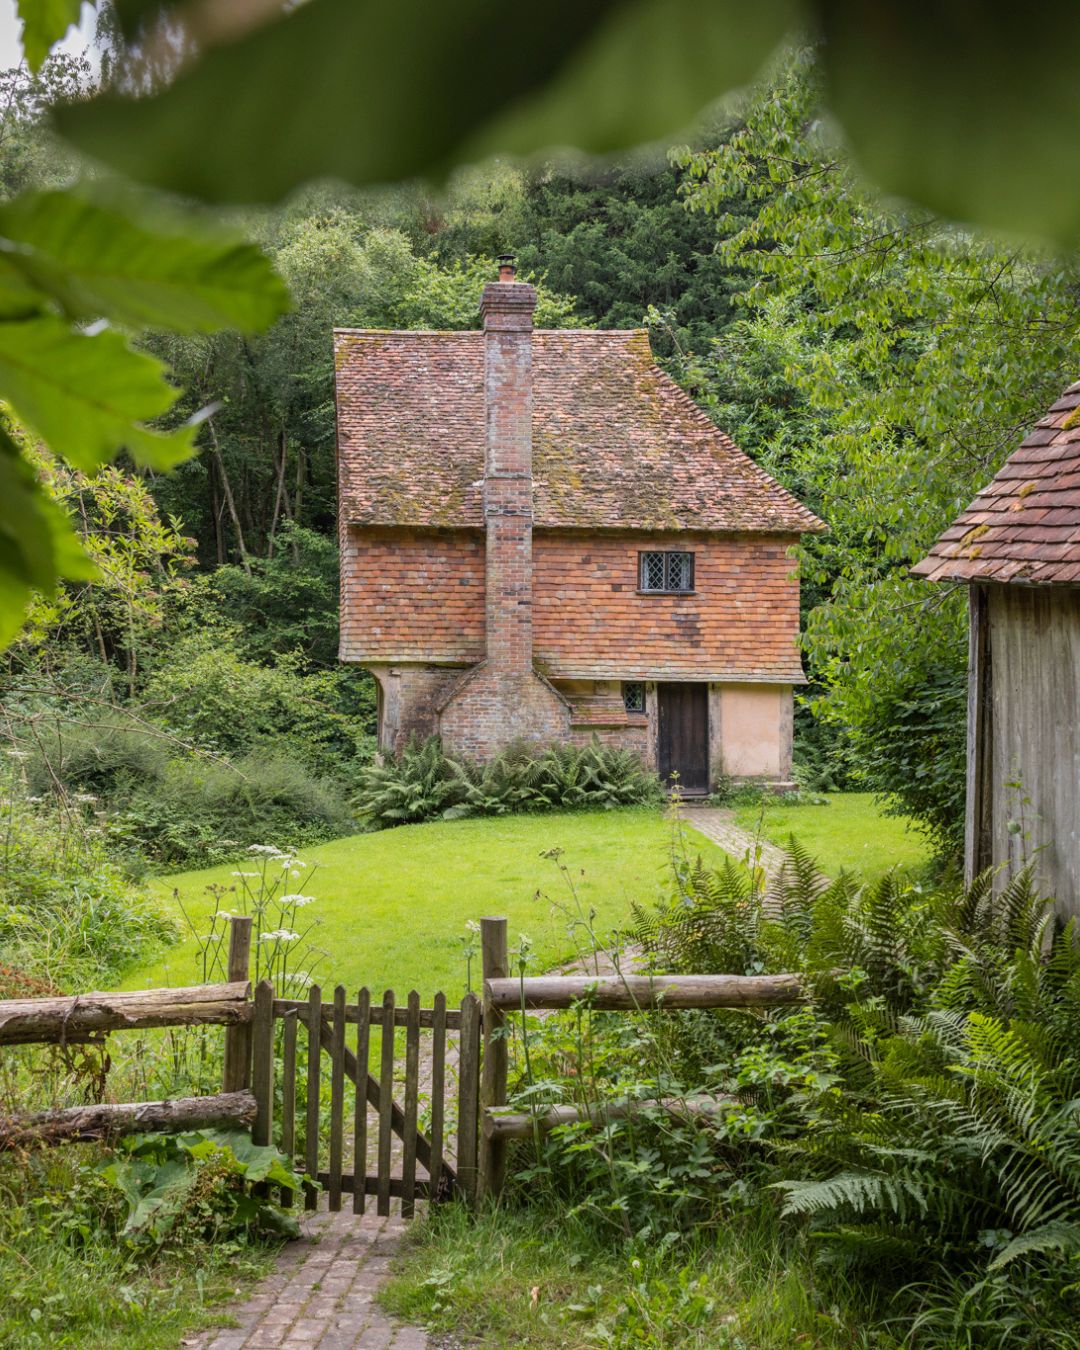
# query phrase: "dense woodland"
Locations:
[[186, 702]]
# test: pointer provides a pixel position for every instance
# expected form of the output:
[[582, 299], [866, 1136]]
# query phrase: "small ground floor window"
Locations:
[[633, 693]]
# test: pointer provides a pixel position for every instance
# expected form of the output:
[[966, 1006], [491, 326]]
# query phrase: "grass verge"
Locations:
[[70, 1281], [548, 1282], [848, 831]]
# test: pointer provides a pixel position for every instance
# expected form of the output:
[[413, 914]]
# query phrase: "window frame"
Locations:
[[633, 684], [666, 554]]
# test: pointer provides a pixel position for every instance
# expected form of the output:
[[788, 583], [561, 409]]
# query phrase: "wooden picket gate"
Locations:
[[340, 1157]]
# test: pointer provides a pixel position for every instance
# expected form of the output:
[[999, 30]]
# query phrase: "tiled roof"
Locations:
[[1025, 525], [616, 443]]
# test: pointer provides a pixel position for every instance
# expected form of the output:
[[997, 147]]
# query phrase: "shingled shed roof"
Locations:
[[1025, 525], [616, 443]]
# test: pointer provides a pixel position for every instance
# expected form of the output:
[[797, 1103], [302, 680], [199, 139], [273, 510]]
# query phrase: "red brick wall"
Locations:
[[412, 596], [419, 596], [496, 706], [741, 621]]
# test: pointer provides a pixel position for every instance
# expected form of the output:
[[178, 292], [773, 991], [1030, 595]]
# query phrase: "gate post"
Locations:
[[496, 966], [236, 1074]]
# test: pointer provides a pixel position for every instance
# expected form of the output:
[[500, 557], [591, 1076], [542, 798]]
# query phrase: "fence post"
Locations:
[[236, 1074], [263, 1057], [495, 956]]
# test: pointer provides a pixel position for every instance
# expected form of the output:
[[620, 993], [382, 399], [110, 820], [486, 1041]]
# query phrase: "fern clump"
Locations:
[[425, 783], [945, 1145]]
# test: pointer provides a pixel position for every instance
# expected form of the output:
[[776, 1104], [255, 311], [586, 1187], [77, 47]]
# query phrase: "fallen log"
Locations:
[[112, 1121], [26, 1020], [503, 1124], [633, 992]]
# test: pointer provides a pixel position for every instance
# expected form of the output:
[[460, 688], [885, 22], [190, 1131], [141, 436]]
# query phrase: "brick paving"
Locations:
[[321, 1293], [718, 824]]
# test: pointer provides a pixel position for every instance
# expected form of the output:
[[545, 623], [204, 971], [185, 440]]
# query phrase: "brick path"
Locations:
[[321, 1293], [718, 824]]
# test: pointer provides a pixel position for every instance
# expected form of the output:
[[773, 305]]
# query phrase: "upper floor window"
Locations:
[[666, 571]]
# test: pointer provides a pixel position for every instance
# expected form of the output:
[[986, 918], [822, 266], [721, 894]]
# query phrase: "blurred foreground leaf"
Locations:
[[965, 108], [70, 268], [44, 23], [93, 260]]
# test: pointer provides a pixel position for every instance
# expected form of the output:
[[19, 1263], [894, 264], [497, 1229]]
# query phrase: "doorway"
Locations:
[[683, 740]]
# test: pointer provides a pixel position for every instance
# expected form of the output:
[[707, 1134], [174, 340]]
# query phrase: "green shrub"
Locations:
[[425, 783], [202, 811], [69, 914], [920, 1112], [210, 695], [911, 751]]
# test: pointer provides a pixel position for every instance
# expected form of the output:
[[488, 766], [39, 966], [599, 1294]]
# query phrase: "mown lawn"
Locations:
[[393, 905], [849, 832]]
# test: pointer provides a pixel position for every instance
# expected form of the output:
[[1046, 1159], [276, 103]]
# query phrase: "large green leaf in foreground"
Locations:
[[44, 23], [37, 543], [969, 109], [81, 387], [94, 260], [368, 91]]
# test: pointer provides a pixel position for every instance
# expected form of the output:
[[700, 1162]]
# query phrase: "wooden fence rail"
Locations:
[[628, 993], [45, 1020], [112, 1120]]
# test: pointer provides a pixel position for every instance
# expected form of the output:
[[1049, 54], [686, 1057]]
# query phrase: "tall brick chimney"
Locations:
[[506, 307], [502, 699]]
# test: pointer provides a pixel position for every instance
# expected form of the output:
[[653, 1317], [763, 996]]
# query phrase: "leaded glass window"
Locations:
[[667, 571], [633, 694]]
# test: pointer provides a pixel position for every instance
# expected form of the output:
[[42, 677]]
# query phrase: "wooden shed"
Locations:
[[1017, 548]]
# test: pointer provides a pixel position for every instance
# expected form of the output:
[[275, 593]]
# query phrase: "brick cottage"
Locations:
[[543, 538]]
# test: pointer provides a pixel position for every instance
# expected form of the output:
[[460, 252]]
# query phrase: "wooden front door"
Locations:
[[683, 750]]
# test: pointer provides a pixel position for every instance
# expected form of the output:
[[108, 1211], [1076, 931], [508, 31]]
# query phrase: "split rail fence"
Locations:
[[456, 1058]]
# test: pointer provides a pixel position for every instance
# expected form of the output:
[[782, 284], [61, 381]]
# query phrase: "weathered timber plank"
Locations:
[[632, 992], [438, 1088], [412, 1106], [262, 1062], [25, 1020], [284, 1006], [337, 1098], [311, 1126], [386, 1103], [288, 1099], [360, 1106], [113, 1120], [521, 1125], [371, 1186], [491, 1165], [468, 1096], [236, 1070]]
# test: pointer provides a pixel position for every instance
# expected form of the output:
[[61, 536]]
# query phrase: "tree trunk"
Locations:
[[230, 501]]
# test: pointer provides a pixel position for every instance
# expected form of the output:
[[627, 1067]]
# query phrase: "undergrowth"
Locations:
[[905, 1143]]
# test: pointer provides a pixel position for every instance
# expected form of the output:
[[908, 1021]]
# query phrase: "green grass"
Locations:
[[393, 905], [68, 1280], [544, 1281], [850, 832]]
